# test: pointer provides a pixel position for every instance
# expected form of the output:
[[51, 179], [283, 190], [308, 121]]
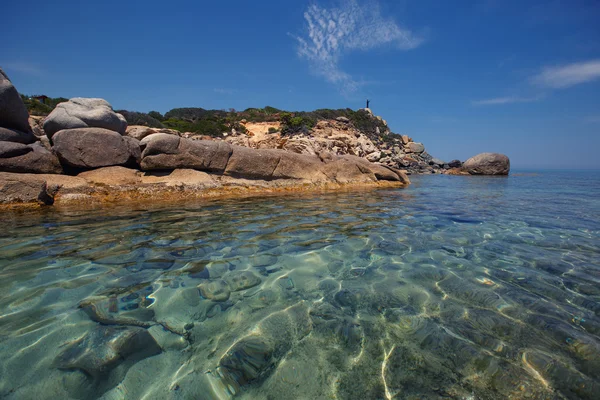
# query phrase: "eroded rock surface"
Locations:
[[487, 164]]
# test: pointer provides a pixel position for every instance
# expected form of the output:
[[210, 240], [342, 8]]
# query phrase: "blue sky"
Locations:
[[463, 77]]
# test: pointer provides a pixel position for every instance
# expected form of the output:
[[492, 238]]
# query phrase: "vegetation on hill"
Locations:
[[43, 106], [216, 122]]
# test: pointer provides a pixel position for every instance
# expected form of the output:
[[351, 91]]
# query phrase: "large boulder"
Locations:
[[164, 151], [33, 158], [253, 163], [13, 113], [487, 164], [23, 188], [84, 113], [87, 148]]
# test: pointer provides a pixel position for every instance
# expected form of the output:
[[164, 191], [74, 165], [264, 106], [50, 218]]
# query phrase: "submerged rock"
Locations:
[[216, 290], [103, 349], [242, 280]]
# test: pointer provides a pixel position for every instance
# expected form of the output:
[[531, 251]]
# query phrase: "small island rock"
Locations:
[[487, 164]]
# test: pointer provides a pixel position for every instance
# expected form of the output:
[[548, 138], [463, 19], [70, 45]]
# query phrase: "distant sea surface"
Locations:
[[455, 287]]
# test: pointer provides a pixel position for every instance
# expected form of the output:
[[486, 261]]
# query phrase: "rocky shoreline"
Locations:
[[84, 152]]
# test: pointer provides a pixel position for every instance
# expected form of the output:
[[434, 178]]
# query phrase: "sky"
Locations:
[[463, 77]]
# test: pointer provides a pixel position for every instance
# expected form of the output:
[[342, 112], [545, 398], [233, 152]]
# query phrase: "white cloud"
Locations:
[[333, 32], [505, 100], [568, 75]]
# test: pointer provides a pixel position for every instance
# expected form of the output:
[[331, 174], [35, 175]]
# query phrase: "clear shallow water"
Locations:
[[456, 287]]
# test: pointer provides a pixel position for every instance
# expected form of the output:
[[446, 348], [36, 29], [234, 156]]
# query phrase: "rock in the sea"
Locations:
[[103, 349], [13, 135], [216, 290], [242, 280], [33, 158], [164, 151], [413, 147], [84, 113], [23, 188], [487, 164], [87, 148], [13, 113]]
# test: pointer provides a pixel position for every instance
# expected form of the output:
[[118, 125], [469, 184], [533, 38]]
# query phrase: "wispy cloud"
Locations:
[[352, 26], [559, 77], [22, 67], [224, 91], [505, 100]]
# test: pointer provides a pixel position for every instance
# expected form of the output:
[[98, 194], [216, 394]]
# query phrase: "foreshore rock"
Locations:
[[121, 185], [23, 188], [84, 113], [487, 164]]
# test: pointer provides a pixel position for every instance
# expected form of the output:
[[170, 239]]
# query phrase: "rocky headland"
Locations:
[[83, 151]]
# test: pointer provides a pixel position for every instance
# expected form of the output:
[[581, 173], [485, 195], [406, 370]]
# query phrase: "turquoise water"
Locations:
[[456, 287]]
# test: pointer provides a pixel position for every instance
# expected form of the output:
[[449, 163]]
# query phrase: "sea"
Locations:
[[452, 288]]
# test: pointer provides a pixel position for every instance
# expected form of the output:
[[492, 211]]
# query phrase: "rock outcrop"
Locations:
[[341, 137], [84, 113], [87, 148], [487, 164], [163, 152]]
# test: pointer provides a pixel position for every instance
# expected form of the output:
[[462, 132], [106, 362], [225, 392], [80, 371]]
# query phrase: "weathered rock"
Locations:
[[12, 149], [413, 147], [88, 148], [84, 113], [455, 164], [380, 172], [343, 171], [13, 113], [37, 125], [13, 135], [253, 163], [112, 176], [180, 177], [375, 156], [487, 164], [23, 188], [342, 119], [165, 151], [405, 139], [299, 166], [33, 158], [139, 131], [436, 161]]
